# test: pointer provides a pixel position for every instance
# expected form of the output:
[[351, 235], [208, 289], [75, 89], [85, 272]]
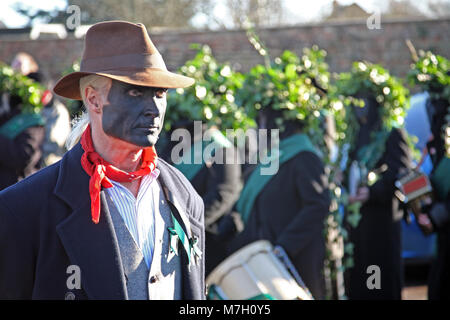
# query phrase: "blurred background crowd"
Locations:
[[362, 107]]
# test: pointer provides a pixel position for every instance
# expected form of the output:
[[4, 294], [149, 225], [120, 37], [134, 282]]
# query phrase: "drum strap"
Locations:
[[214, 294]]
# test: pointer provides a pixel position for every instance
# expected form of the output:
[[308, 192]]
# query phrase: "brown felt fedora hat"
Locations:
[[121, 51]]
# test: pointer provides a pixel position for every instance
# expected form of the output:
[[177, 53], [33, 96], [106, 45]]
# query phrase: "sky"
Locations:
[[299, 10], [14, 20]]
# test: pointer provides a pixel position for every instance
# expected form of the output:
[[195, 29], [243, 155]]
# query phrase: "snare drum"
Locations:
[[254, 273]]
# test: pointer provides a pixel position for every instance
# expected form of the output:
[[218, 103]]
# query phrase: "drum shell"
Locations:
[[254, 272]]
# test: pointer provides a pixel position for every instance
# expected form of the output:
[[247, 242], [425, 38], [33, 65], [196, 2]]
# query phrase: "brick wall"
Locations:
[[344, 42]]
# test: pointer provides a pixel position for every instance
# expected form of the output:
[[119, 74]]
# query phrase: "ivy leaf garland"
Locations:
[[393, 98], [388, 90], [290, 85], [371, 80], [431, 73], [212, 98], [14, 83], [301, 89]]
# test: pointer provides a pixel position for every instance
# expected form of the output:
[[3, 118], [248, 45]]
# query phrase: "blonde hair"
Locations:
[[80, 123]]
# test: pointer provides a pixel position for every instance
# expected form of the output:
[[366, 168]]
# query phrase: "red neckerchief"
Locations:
[[100, 170]]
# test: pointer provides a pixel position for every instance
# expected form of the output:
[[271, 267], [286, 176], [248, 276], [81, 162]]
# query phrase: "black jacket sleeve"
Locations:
[[312, 187], [24, 151]]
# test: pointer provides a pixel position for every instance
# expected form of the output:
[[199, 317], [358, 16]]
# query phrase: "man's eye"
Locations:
[[135, 92], [160, 93]]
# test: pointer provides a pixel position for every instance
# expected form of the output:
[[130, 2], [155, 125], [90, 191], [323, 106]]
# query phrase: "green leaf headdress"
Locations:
[[19, 85], [212, 98]]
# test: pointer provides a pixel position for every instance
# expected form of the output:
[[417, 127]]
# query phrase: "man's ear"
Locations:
[[93, 99]]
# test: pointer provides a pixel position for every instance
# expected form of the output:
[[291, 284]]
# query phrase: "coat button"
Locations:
[[153, 279]]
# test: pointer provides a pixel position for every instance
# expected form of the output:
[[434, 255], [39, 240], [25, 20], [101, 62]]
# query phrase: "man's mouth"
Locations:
[[150, 126], [149, 129]]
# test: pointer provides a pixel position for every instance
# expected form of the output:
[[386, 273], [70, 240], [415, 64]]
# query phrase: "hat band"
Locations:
[[133, 60]]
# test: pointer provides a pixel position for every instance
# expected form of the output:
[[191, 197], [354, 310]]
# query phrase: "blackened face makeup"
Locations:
[[134, 113]]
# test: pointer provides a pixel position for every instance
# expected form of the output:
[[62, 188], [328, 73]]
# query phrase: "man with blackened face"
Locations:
[[111, 215], [134, 113]]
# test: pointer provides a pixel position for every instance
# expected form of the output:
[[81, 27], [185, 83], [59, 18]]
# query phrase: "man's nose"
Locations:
[[151, 108]]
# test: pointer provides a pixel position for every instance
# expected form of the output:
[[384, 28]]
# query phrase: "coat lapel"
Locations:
[[92, 247], [192, 288]]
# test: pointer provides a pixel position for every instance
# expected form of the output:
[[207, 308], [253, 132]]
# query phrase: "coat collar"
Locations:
[[193, 279], [177, 207], [94, 247]]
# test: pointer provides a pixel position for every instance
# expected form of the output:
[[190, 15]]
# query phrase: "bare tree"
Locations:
[[439, 8]]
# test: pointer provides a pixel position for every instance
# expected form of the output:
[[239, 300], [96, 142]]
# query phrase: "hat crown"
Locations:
[[122, 40], [116, 38], [121, 51]]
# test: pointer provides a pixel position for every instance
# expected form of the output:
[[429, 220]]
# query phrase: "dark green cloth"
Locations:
[[288, 148], [19, 123], [441, 177]]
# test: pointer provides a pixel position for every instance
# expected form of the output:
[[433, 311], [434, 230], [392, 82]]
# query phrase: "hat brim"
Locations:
[[69, 85]]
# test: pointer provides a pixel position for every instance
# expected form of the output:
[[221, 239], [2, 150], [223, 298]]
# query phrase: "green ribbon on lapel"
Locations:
[[288, 148], [17, 124], [190, 245]]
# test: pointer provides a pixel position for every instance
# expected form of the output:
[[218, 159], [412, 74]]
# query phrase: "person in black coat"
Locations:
[[219, 185], [290, 210], [77, 216], [438, 217], [21, 151], [377, 237], [52, 230]]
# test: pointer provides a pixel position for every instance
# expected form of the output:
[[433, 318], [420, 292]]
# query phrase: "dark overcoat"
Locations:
[[377, 238], [46, 226], [290, 211], [219, 185]]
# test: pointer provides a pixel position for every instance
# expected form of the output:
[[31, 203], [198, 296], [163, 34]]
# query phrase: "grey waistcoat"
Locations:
[[163, 282]]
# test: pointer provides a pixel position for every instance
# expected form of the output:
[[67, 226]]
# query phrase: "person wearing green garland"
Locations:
[[22, 131], [439, 214], [288, 208], [377, 235], [201, 115], [214, 174], [54, 113], [431, 73], [436, 218]]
